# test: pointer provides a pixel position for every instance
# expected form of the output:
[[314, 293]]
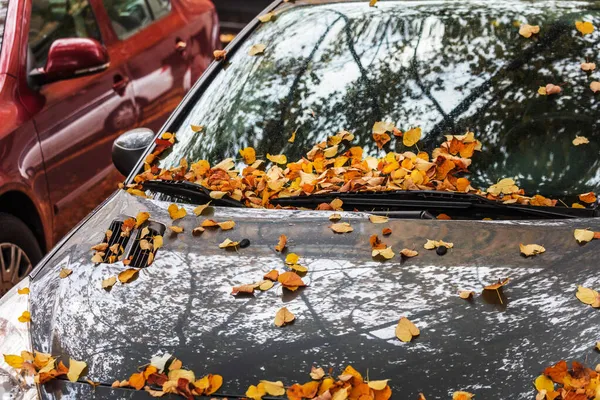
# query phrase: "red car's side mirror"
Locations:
[[71, 58]]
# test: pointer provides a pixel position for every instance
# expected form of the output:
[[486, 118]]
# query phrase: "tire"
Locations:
[[17, 244]]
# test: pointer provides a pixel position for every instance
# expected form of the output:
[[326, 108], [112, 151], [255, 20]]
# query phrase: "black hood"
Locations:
[[182, 305]]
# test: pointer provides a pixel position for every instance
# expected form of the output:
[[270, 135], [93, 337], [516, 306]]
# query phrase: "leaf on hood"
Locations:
[[378, 385], [108, 282], [378, 219], [595, 86], [14, 360], [588, 66], [272, 275], [589, 197], [219, 54], [381, 139], [588, 296], [504, 186], [281, 244], [176, 229], [255, 49], [409, 253], [317, 373], [226, 225], [209, 223], [584, 27], [200, 209], [542, 382], [531, 249], [228, 243], [579, 140], [25, 317], [292, 138], [380, 127], [527, 30], [386, 253], [266, 17], [497, 285], [100, 247], [411, 137], [266, 285], [256, 392], [406, 330], [282, 317], [335, 217], [64, 272], [24, 290], [277, 159], [157, 242], [433, 244], [583, 235], [197, 128], [127, 275], [386, 231], [549, 89], [462, 396], [341, 227], [292, 258], [290, 280], [176, 212], [376, 243], [466, 294], [141, 217], [75, 369], [249, 155]]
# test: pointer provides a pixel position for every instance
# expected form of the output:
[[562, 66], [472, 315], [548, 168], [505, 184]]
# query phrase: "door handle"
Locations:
[[120, 84]]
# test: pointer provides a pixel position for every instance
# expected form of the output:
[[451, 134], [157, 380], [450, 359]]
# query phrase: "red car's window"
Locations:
[[3, 12], [129, 16]]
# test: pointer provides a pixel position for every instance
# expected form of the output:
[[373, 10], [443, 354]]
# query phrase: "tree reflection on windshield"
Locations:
[[444, 67]]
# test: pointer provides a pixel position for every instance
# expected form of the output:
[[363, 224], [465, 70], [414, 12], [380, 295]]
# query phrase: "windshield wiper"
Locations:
[[460, 205], [188, 192]]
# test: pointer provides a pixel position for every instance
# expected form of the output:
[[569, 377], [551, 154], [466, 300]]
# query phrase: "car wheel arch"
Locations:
[[21, 206]]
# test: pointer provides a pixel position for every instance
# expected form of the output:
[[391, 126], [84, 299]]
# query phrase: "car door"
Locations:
[[160, 46], [79, 118]]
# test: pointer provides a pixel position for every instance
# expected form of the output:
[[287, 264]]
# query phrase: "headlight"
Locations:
[[14, 338]]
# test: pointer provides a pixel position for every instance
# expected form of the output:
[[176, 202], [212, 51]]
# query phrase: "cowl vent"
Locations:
[[142, 251]]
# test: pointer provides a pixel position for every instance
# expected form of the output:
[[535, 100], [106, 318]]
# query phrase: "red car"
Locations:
[[74, 75]]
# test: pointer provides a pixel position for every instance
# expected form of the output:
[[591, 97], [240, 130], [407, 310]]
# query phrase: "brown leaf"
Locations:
[[64, 272], [127, 275], [282, 242], [283, 316], [341, 227]]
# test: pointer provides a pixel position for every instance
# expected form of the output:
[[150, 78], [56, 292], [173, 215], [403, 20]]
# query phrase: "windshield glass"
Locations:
[[3, 13], [446, 67]]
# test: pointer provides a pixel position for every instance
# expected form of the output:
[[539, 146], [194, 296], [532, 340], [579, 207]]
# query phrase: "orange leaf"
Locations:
[[137, 380], [281, 245], [381, 139], [589, 197], [291, 280], [272, 275]]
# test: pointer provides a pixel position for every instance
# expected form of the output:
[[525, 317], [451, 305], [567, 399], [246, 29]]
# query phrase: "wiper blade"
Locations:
[[189, 191], [463, 204]]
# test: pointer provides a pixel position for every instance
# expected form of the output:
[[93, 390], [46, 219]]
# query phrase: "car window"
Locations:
[[51, 20], [3, 12], [129, 16], [446, 67]]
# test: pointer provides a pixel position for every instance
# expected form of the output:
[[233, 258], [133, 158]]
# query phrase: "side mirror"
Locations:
[[129, 147], [71, 58]]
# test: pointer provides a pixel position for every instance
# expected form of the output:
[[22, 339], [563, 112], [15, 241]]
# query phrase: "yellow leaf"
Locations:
[[217, 194], [378, 385], [249, 155], [291, 258], [136, 192], [335, 217], [176, 212], [583, 235], [176, 229], [127, 275], [504, 186], [588, 296], [527, 30], [25, 317], [292, 138], [140, 218], [256, 392], [584, 27], [406, 330], [542, 382], [14, 361], [466, 294], [64, 272], [378, 219], [299, 268], [411, 137], [542, 91], [266, 17], [266, 285], [278, 159], [341, 227], [273, 388], [108, 282], [255, 49], [372, 3], [283, 316], [228, 243], [531, 249], [386, 253], [200, 209], [381, 127], [24, 290], [317, 373], [157, 242], [197, 128], [75, 369], [226, 225], [409, 253], [580, 140], [175, 375]]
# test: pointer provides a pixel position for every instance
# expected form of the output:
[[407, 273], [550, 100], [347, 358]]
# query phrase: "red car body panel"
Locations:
[[55, 141]]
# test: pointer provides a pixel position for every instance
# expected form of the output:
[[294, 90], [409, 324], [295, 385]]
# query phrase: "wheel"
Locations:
[[19, 251]]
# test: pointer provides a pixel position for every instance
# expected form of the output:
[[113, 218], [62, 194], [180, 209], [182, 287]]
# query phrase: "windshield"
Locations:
[[3, 13], [446, 67]]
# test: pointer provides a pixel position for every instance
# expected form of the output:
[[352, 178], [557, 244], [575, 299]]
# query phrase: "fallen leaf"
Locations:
[[406, 330], [411, 137], [157, 242], [197, 230], [226, 225], [228, 243], [277, 159], [127, 275], [299, 268], [466, 294], [100, 247], [372, 3], [584, 27], [497, 285], [145, 232], [527, 30], [274, 388], [291, 258], [108, 282], [25, 317], [588, 296], [386, 253], [290, 280], [14, 360], [580, 140], [409, 253], [588, 66], [24, 290], [341, 227], [256, 392], [292, 138], [378, 219], [380, 127], [249, 155], [266, 17], [141, 217], [589, 197], [266, 285], [595, 86], [583, 235], [272, 275], [432, 244], [255, 49], [98, 257], [462, 396], [335, 217], [281, 244], [219, 54], [75, 369], [386, 231], [378, 385], [317, 373], [283, 316], [531, 249], [64, 272], [381, 139], [209, 223], [249, 289], [550, 89], [542, 382], [197, 128], [176, 229], [145, 245], [176, 212], [200, 209]]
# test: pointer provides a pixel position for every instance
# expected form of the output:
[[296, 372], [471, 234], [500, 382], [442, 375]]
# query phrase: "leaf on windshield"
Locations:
[[283, 317], [589, 197], [176, 212], [588, 66], [277, 159], [372, 3], [248, 289], [108, 282], [380, 127], [466, 294], [381, 139], [527, 30], [292, 138], [219, 54], [411, 137], [226, 225], [462, 395], [249, 155], [583, 235], [281, 244], [504, 186], [549, 89], [266, 17], [584, 27], [531, 249], [64, 272], [141, 217], [378, 219], [255, 49], [176, 229], [24, 290], [196, 129], [200, 209], [341, 227], [580, 140], [406, 330], [497, 287], [272, 275], [75, 369], [376, 243], [595, 86]]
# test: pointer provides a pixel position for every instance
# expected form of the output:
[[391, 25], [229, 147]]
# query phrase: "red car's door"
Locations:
[[168, 44], [78, 119]]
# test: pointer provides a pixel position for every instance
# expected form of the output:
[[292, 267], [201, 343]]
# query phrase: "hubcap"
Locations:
[[14, 266]]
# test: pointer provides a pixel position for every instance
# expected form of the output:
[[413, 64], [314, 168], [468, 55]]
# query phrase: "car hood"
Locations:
[[182, 304]]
